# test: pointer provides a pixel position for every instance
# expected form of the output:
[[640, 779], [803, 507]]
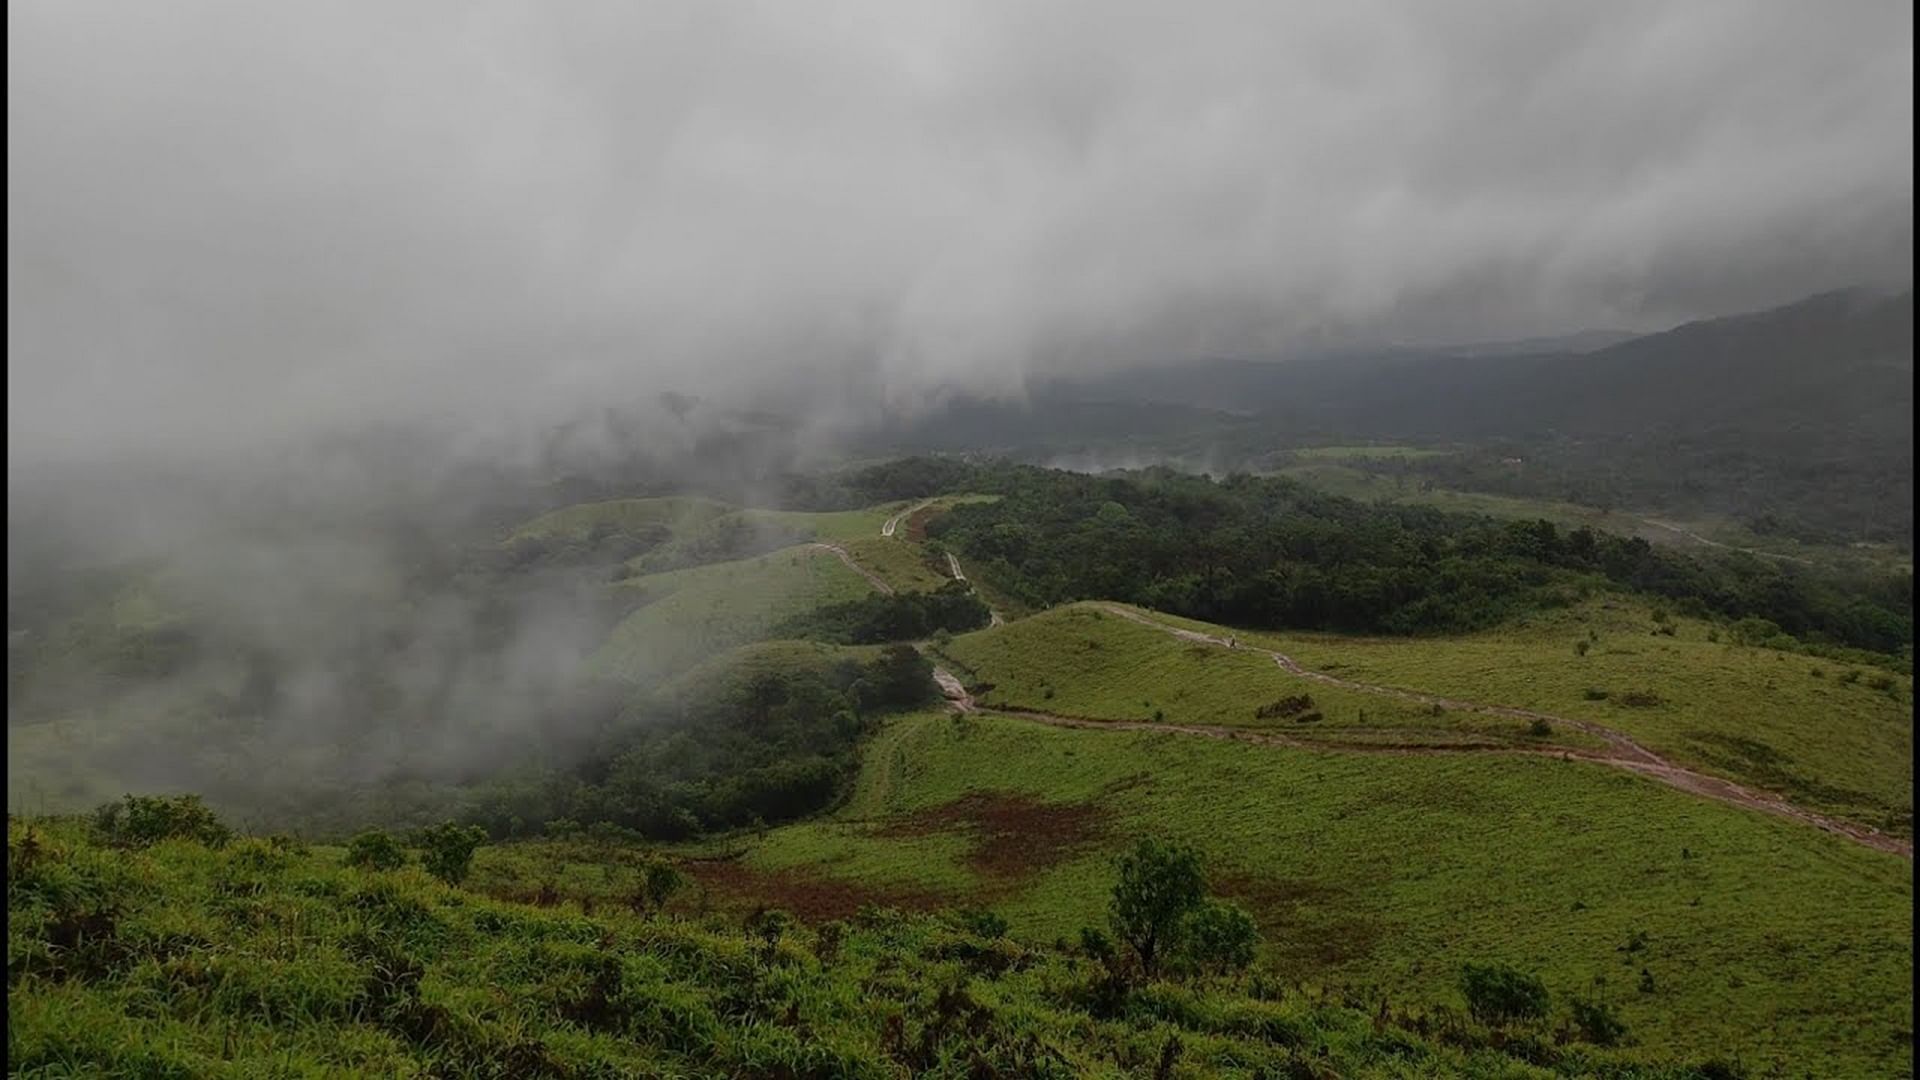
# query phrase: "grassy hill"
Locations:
[[1391, 871], [687, 615], [1083, 661], [266, 957], [1830, 735]]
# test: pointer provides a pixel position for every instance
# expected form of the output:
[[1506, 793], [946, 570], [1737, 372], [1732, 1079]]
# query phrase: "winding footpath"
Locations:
[[888, 529], [873, 579], [1698, 539], [893, 522]]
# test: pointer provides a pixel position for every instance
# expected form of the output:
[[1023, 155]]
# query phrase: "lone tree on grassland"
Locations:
[[1159, 886]]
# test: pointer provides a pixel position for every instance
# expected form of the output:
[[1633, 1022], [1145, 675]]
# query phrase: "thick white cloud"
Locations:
[[230, 219]]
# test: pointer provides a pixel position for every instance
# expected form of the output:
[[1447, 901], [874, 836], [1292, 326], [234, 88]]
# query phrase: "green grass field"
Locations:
[[903, 565], [1083, 661], [1817, 731], [1759, 935], [689, 615], [266, 958]]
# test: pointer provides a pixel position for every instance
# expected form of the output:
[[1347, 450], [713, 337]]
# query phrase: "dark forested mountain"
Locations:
[[1797, 419]]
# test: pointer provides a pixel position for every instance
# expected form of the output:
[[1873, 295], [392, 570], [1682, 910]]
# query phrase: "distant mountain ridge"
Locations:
[[1800, 414]]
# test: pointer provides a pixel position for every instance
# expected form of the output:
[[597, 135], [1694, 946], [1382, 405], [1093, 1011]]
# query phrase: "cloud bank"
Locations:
[[230, 221]]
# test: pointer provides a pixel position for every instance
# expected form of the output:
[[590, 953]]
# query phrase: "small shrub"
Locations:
[[1640, 699], [983, 923], [1597, 1022], [1646, 981], [765, 928], [1580, 647], [1594, 693], [1095, 943], [449, 850], [1498, 994], [1817, 673], [1221, 937], [1285, 707], [375, 849], [659, 880], [1539, 728], [139, 821]]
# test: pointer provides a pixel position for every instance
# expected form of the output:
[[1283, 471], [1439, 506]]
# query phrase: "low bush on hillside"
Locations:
[[882, 617], [1498, 994], [376, 849], [772, 747], [143, 820]]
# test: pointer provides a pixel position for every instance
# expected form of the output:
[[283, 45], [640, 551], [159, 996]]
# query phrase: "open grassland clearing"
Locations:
[[1828, 735], [900, 563], [1086, 662], [1392, 871], [687, 615]]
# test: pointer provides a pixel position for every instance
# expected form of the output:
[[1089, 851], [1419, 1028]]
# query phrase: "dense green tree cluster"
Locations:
[[1268, 552], [773, 748], [883, 617]]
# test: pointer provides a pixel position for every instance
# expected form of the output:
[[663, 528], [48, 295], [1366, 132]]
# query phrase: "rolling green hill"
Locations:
[[1391, 871], [687, 615]]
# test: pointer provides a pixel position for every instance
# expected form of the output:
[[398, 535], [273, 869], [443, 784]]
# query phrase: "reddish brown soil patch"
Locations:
[[916, 523], [813, 897], [1015, 836], [1310, 927]]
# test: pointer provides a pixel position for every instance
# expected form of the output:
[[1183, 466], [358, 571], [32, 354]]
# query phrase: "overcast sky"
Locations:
[[231, 218]]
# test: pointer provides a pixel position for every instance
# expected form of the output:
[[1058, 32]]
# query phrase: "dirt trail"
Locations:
[[1622, 752], [872, 578], [893, 522], [954, 689], [1698, 539]]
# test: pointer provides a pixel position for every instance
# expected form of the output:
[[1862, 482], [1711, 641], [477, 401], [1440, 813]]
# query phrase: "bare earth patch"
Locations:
[[1015, 836], [730, 883], [1310, 927]]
